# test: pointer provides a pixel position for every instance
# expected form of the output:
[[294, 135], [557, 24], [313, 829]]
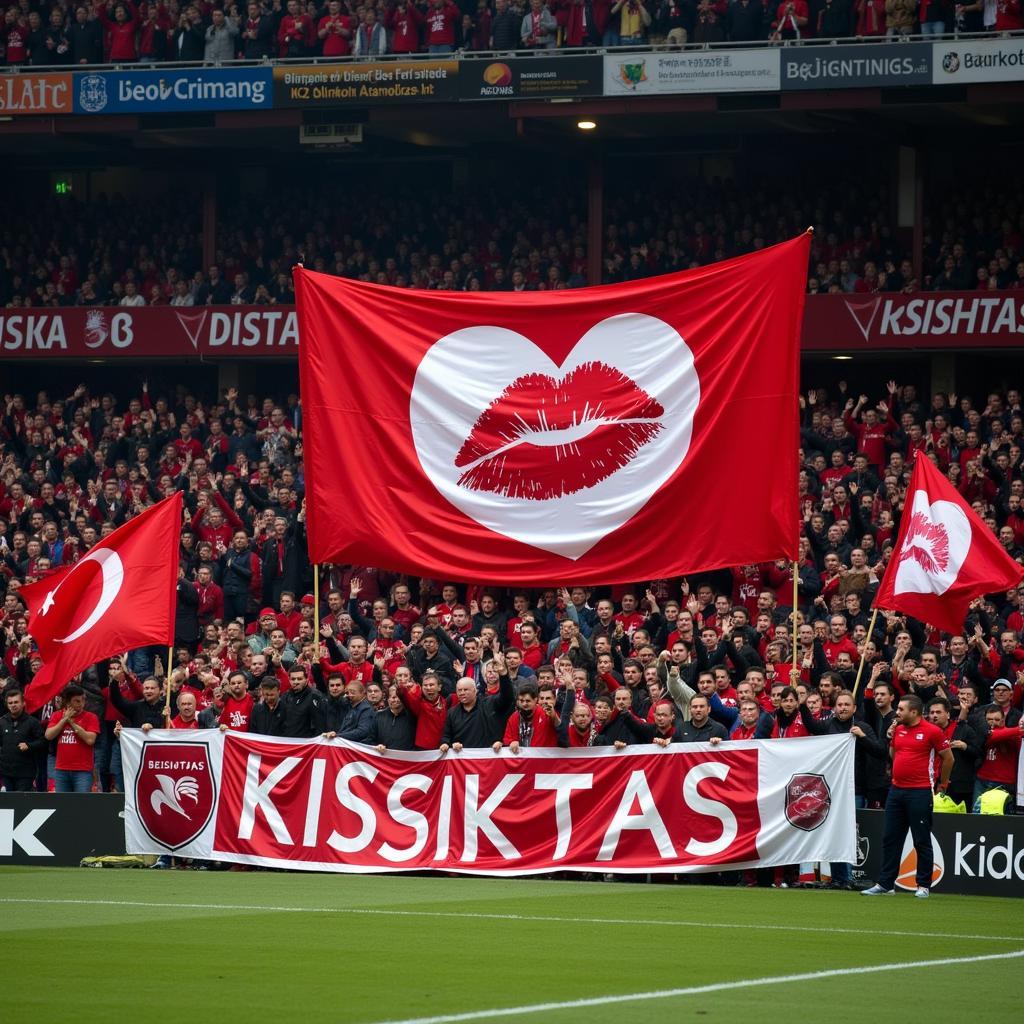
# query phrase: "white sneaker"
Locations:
[[922, 893], [877, 890]]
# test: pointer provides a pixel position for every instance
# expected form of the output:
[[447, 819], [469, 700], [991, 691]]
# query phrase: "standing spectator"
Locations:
[[790, 20], [912, 746], [335, 31], [441, 19], [15, 37], [86, 38], [576, 20], [747, 20], [371, 38], [708, 28], [75, 730], [257, 36], [475, 720], [674, 20], [834, 19], [121, 31], [189, 39], [153, 34], [293, 38], [932, 15], [633, 21], [1008, 16], [56, 48], [221, 38], [21, 742], [899, 17], [403, 21], [504, 28], [870, 17]]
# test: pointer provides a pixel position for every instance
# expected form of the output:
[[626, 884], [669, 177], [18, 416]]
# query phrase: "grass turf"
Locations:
[[398, 948]]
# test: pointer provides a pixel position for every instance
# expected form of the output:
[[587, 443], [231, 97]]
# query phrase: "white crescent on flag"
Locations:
[[112, 571]]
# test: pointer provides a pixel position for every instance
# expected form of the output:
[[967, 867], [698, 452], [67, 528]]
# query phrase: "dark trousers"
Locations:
[[907, 808], [13, 785]]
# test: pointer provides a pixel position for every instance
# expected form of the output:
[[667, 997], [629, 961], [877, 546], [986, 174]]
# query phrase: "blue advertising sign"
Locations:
[[164, 90]]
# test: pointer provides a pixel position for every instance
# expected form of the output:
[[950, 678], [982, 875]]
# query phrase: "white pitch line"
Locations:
[[670, 993], [470, 915]]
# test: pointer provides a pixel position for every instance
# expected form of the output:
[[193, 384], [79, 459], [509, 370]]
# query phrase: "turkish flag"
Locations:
[[121, 594], [602, 435], [944, 557]]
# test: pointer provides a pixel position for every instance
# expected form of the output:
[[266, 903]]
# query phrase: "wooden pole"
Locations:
[[864, 652], [796, 601], [316, 611], [167, 686]]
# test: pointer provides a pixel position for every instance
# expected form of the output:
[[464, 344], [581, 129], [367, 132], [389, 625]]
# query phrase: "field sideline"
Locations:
[[169, 946]]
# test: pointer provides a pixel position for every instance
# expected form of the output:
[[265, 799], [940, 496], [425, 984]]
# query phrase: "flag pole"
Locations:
[[167, 685], [316, 610], [796, 600], [864, 652]]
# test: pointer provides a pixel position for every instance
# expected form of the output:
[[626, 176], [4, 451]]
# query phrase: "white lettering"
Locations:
[[404, 816], [444, 819], [710, 808], [478, 818], [256, 794], [316, 792], [358, 806], [24, 833], [563, 785], [648, 820], [121, 333]]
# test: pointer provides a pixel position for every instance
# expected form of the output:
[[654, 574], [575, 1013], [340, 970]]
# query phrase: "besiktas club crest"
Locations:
[[174, 791], [808, 801]]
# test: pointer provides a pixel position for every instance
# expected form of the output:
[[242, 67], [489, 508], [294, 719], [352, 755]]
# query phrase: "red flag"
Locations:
[[944, 557], [120, 595], [594, 435]]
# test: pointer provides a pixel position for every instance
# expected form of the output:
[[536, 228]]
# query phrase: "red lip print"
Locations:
[[928, 544], [541, 438]]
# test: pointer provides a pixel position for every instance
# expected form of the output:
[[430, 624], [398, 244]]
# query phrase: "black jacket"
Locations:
[[358, 724], [268, 721], [965, 762], [505, 31], [871, 755], [333, 711], [263, 44], [302, 713], [621, 728], [86, 42], [236, 571], [690, 733], [485, 724], [140, 712], [15, 763], [186, 613], [396, 732], [188, 43]]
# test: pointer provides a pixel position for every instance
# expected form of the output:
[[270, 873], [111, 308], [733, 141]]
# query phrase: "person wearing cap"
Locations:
[[261, 631], [1002, 698]]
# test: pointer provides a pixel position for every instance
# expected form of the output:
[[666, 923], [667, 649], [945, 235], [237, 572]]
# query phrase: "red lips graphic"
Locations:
[[541, 438], [927, 543]]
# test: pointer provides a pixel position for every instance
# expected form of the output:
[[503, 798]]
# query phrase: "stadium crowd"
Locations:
[[419, 663], [63, 33], [114, 251]]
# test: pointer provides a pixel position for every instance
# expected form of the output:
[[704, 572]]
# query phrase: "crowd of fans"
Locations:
[[407, 663], [65, 33], [114, 251]]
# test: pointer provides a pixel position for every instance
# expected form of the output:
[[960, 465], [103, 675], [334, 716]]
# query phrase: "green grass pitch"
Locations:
[[181, 946]]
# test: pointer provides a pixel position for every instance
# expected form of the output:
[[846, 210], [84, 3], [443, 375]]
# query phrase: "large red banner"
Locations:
[[545, 436], [831, 323], [332, 805]]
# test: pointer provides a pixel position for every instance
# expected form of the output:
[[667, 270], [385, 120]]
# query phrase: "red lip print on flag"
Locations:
[[594, 435]]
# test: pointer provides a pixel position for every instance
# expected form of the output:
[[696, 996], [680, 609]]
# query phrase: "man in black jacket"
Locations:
[[393, 727], [21, 741], [477, 721], [268, 715], [186, 614], [967, 744], [505, 27], [334, 705], [301, 705], [616, 724], [236, 567], [257, 34], [702, 728], [86, 37], [144, 714], [189, 39]]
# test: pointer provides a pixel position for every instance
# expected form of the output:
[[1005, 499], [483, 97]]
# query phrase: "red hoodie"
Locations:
[[430, 717]]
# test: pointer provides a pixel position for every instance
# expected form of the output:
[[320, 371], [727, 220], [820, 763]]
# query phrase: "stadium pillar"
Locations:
[[595, 218], [209, 219], [910, 203], [943, 367]]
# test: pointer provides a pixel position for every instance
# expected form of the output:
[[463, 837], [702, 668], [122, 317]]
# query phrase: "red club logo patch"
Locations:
[[808, 801], [175, 792]]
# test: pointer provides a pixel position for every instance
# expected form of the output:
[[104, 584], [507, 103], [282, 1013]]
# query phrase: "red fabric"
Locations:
[[929, 549], [1002, 749], [430, 717], [543, 730], [237, 713], [72, 754], [589, 517], [913, 762], [140, 612]]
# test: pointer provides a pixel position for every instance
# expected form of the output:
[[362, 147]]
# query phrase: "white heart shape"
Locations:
[[936, 545], [466, 371]]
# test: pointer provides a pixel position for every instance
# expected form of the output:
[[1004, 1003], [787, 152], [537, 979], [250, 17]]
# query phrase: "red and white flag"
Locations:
[[610, 434], [120, 595], [944, 557]]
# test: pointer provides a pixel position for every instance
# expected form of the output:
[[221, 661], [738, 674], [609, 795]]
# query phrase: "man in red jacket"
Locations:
[[426, 703], [871, 434], [335, 31], [529, 725], [441, 20], [403, 21], [295, 32]]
